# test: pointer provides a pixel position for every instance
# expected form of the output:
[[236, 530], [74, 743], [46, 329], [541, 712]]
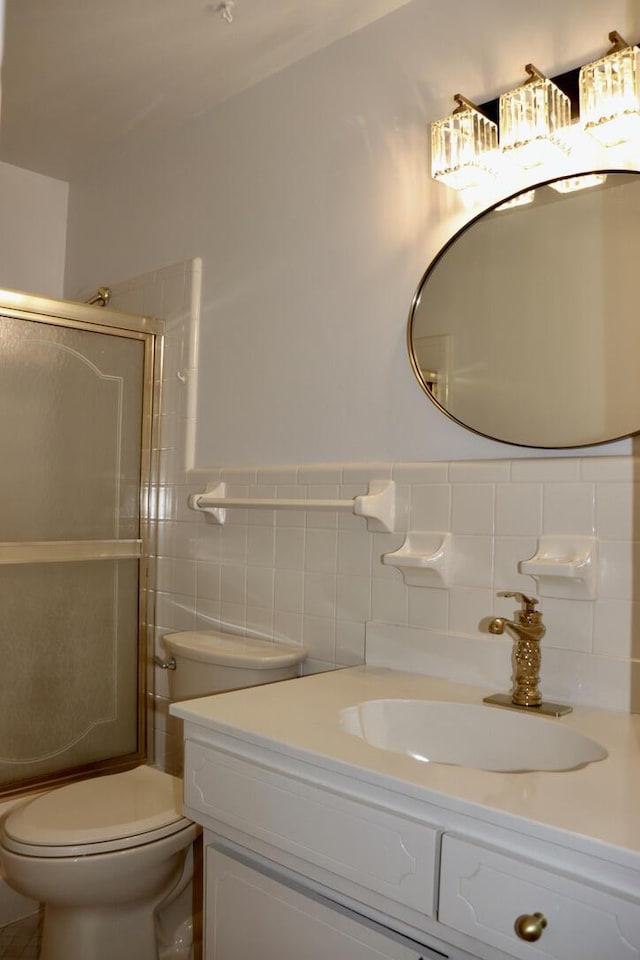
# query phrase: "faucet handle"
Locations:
[[528, 603]]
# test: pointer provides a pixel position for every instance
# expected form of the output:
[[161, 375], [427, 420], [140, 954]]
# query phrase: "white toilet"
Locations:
[[207, 661], [108, 856]]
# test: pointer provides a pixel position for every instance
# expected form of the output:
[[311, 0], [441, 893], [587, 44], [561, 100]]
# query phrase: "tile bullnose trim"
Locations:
[[620, 466]]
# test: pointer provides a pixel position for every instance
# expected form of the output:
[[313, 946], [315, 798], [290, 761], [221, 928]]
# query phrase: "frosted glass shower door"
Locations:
[[71, 427]]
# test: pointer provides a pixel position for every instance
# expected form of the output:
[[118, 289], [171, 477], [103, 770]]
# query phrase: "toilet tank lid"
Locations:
[[229, 650]]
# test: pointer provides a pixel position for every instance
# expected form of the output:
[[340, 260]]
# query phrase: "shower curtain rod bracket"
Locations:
[[101, 297]]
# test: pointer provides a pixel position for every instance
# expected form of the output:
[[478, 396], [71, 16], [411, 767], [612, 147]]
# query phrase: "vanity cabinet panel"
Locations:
[[251, 915], [359, 849], [483, 891]]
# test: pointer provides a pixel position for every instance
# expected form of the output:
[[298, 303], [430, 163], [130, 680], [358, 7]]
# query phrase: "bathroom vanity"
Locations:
[[319, 844]]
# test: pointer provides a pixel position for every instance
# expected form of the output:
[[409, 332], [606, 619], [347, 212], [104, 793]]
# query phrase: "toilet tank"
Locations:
[[208, 661]]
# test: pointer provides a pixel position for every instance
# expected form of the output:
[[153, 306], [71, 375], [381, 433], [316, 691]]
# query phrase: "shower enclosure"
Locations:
[[76, 448]]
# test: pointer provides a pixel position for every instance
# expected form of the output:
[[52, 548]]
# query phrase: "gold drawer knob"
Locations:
[[529, 926]]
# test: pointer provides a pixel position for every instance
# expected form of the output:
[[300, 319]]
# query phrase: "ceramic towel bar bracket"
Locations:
[[564, 567], [378, 506], [424, 559]]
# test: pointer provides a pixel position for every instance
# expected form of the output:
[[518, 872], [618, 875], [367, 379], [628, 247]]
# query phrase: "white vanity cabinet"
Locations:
[[319, 848], [299, 864], [356, 849], [280, 840], [486, 893], [252, 914]]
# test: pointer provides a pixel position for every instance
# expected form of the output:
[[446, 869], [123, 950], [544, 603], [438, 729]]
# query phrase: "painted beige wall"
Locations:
[[309, 200], [32, 231]]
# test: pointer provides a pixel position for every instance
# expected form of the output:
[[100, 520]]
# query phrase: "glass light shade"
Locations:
[[571, 184], [464, 149], [520, 200], [533, 119], [610, 97]]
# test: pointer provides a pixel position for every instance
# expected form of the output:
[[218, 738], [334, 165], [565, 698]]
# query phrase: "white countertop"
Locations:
[[597, 804]]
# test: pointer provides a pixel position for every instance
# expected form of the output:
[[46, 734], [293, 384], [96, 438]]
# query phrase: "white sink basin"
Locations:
[[469, 735]]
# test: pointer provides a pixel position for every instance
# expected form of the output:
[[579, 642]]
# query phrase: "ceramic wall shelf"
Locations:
[[424, 559], [565, 567]]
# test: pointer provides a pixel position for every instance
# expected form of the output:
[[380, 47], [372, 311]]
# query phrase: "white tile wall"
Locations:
[[317, 578], [325, 577]]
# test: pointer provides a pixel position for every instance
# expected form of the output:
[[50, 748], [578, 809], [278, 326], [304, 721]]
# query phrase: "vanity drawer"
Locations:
[[483, 891], [367, 853]]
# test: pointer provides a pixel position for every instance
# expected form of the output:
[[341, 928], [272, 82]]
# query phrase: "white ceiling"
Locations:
[[80, 75]]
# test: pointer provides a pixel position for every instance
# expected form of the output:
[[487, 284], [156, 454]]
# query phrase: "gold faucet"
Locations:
[[527, 629]]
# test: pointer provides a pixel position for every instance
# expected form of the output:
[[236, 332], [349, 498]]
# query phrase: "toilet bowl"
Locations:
[[102, 855], [110, 857]]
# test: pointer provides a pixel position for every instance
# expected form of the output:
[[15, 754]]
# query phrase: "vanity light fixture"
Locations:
[[583, 182], [538, 122], [610, 94], [533, 119], [464, 147], [520, 200]]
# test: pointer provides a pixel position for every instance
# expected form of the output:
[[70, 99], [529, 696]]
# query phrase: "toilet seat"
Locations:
[[101, 815]]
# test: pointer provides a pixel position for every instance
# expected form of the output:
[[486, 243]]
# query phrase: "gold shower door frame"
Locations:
[[147, 330]]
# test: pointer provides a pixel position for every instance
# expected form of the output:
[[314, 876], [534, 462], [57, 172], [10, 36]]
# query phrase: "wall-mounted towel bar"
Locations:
[[378, 506]]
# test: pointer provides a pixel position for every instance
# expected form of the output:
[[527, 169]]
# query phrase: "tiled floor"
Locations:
[[21, 940]]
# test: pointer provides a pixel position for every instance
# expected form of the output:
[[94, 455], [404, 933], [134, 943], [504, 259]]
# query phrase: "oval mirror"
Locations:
[[525, 327]]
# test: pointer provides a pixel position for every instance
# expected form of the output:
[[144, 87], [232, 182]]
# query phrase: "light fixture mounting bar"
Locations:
[[464, 104], [568, 83]]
